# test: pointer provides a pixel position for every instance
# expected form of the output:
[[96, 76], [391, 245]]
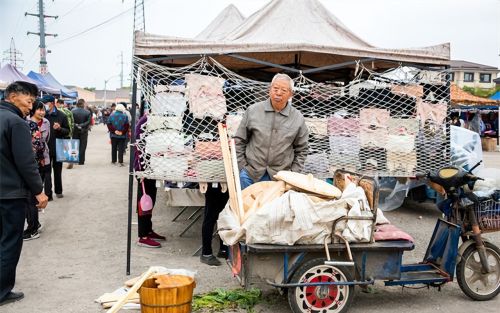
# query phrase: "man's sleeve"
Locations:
[[241, 139], [87, 122], [64, 130], [300, 147], [24, 157]]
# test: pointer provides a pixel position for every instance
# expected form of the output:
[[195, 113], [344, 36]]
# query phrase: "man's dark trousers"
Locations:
[[57, 167], [83, 137], [12, 214]]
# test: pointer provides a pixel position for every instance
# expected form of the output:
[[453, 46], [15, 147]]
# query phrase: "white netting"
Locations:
[[389, 124]]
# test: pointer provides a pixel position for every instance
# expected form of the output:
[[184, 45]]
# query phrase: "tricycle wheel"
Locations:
[[472, 281], [320, 299]]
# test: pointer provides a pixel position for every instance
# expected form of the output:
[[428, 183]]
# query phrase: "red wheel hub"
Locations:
[[321, 296]]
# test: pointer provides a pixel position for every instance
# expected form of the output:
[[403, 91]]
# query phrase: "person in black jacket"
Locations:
[[59, 128], [19, 178], [82, 119]]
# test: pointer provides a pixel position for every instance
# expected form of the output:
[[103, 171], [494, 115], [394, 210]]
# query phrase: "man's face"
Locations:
[[280, 93], [22, 101]]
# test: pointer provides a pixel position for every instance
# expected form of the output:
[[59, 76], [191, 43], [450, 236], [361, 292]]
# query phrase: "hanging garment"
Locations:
[[401, 163], [317, 126], [316, 164], [174, 167], [349, 162], [430, 111], [208, 150], [345, 145], [372, 119], [164, 141], [233, 122], [210, 170], [374, 127], [403, 126], [173, 103], [205, 96], [339, 126], [156, 122], [415, 91], [398, 143]]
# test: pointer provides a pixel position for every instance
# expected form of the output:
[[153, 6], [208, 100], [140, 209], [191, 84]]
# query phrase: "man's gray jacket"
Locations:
[[18, 168], [271, 141]]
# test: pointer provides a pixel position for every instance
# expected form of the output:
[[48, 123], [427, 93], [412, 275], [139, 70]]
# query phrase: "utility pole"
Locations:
[[121, 71], [13, 56], [41, 21]]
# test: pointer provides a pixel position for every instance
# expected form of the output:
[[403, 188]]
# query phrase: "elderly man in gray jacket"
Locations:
[[272, 135]]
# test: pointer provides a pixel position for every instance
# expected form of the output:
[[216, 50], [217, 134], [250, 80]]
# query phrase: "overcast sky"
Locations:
[[88, 58]]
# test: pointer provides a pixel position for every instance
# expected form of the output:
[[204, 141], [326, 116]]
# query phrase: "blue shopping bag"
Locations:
[[67, 150]]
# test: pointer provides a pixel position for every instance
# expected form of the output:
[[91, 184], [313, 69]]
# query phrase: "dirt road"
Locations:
[[81, 252]]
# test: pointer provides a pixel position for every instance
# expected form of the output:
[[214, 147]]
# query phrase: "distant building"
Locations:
[[497, 81], [473, 74], [87, 95], [112, 96]]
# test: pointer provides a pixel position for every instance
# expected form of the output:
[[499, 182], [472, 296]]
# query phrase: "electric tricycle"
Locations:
[[321, 278]]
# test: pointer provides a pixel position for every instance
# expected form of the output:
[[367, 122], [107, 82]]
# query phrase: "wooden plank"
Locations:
[[117, 306], [378, 245], [226, 156], [237, 182]]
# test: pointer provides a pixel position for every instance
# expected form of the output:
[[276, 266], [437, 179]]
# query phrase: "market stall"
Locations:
[[467, 105], [9, 74], [358, 118]]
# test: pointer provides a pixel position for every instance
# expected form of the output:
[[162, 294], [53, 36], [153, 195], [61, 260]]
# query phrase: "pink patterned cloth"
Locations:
[[390, 232]]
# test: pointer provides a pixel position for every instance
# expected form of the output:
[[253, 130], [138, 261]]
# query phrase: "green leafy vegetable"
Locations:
[[221, 299]]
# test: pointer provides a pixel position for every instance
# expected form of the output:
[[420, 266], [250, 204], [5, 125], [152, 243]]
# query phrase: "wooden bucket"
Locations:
[[175, 297]]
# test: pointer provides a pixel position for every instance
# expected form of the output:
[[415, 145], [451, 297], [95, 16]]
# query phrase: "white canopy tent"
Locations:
[[291, 35], [227, 20]]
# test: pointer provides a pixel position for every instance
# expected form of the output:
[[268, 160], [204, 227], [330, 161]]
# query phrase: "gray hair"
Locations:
[[283, 77]]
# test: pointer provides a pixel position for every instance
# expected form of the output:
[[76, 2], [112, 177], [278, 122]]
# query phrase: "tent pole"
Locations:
[[131, 167], [336, 66], [248, 59]]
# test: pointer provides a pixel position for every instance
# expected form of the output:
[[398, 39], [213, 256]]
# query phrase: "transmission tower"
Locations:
[[41, 27], [139, 18], [13, 56]]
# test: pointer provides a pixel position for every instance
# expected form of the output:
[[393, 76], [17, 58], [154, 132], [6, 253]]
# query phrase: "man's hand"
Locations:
[[56, 126], [119, 133], [42, 200]]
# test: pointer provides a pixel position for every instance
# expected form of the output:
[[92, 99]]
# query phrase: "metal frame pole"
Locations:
[[131, 167]]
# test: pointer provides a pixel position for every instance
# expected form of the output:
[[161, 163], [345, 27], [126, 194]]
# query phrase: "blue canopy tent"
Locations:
[[10, 74], [42, 82], [65, 92], [496, 96]]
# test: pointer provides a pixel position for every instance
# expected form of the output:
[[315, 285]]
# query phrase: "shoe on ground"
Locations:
[[122, 164], [12, 297], [50, 198], [59, 195], [222, 254], [40, 228], [155, 236], [210, 260], [148, 243], [30, 235]]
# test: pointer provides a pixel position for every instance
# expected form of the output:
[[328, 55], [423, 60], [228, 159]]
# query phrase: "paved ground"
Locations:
[[81, 253]]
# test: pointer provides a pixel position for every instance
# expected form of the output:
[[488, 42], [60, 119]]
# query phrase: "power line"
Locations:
[[68, 12], [93, 27]]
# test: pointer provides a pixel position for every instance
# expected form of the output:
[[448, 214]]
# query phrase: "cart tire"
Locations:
[[321, 299], [478, 286]]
